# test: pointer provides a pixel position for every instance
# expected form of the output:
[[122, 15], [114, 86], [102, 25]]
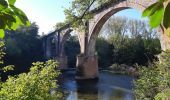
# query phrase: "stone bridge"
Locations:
[[87, 63], [53, 45]]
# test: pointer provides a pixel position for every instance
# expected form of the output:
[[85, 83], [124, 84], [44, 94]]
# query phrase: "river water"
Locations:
[[109, 87]]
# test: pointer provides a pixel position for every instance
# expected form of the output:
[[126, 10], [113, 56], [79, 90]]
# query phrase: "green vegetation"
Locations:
[[38, 84], [154, 80], [11, 17], [72, 49], [159, 13], [23, 43], [129, 41], [79, 12], [40, 81], [104, 51]]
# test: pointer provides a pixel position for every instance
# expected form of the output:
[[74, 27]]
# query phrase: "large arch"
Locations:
[[87, 62], [97, 22]]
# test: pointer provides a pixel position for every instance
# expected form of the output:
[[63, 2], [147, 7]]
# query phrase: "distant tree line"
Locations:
[[130, 41]]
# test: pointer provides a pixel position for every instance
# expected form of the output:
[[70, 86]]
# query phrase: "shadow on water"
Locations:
[[109, 87]]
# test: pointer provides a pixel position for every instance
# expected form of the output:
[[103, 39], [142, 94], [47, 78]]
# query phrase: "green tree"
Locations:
[[23, 46], [154, 80], [159, 13], [80, 11], [11, 17], [72, 49], [104, 52], [133, 40]]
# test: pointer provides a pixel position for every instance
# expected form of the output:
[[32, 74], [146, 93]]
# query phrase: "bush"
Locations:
[[117, 67], [38, 84], [34, 85], [146, 87], [154, 81], [164, 95]]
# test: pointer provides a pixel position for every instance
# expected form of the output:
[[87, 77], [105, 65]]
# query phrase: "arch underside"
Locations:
[[96, 24]]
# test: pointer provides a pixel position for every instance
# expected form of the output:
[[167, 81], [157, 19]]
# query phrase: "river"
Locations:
[[109, 87]]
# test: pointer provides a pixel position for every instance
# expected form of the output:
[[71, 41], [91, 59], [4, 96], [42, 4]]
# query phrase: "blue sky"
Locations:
[[46, 13]]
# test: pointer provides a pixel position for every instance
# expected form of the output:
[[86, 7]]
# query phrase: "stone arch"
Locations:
[[65, 36], [57, 39], [49, 43], [97, 22]]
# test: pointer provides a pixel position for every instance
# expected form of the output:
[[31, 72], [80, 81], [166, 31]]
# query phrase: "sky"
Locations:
[[46, 13]]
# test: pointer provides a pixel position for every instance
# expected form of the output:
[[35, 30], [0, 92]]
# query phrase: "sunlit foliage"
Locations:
[[158, 13], [38, 84], [154, 80], [11, 17]]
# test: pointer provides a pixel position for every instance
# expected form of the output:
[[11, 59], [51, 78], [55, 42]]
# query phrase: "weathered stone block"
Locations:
[[62, 62], [87, 67]]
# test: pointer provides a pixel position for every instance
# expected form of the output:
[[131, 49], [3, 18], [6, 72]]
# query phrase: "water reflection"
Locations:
[[108, 87]]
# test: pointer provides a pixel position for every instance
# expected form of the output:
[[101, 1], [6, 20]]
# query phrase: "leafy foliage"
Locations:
[[11, 17], [134, 50], [34, 85], [157, 14], [146, 87], [166, 21], [72, 49], [8, 68], [80, 11], [105, 52], [22, 47], [154, 80], [1, 51], [38, 84], [165, 94], [59, 25], [132, 41]]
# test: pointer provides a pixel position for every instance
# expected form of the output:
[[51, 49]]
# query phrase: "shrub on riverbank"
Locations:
[[124, 69], [154, 81], [37, 84]]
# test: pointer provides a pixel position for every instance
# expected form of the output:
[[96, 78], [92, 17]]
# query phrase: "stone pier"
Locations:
[[87, 67], [62, 62]]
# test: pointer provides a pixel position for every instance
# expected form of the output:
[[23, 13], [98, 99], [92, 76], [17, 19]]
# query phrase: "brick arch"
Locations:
[[99, 19]]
